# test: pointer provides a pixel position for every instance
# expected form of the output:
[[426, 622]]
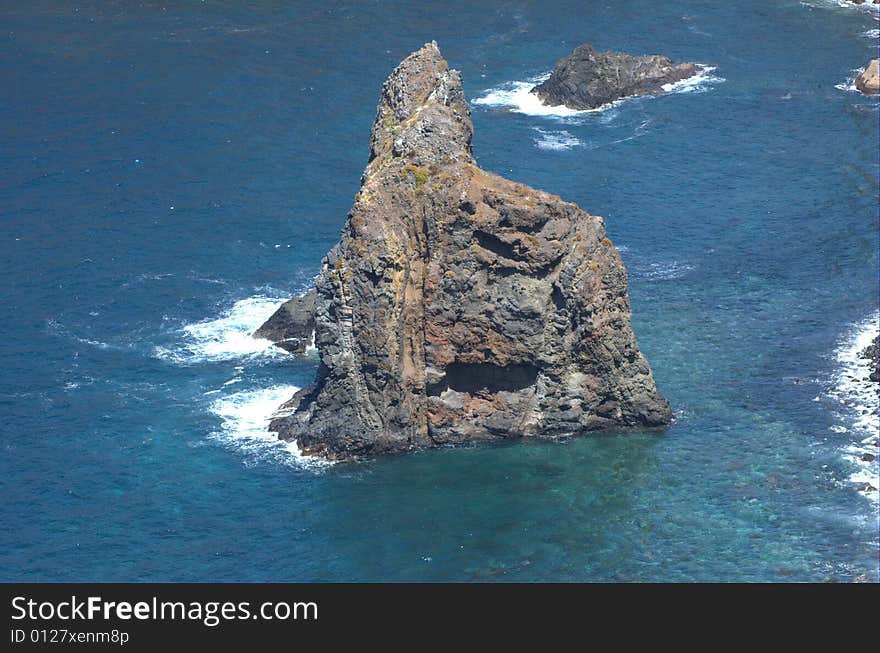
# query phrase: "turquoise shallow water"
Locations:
[[167, 175]]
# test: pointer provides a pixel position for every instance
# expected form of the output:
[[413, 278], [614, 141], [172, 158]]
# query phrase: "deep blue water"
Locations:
[[169, 173]]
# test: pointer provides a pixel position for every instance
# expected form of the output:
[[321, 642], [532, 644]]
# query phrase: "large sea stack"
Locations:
[[588, 79], [460, 306]]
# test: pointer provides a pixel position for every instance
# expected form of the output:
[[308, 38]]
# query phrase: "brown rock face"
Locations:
[[460, 306], [868, 81]]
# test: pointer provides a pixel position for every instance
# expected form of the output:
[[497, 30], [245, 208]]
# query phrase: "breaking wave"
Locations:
[[555, 140], [227, 337], [850, 83], [661, 271], [244, 420], [517, 96], [859, 401]]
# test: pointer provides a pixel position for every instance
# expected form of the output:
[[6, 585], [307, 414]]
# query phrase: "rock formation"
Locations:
[[292, 325], [461, 306], [868, 81], [872, 354], [587, 79]]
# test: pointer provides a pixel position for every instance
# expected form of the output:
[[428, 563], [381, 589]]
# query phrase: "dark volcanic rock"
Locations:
[[461, 306], [292, 325], [587, 79], [872, 353]]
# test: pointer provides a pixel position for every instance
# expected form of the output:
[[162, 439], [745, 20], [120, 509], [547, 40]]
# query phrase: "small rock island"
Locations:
[[459, 306], [589, 79], [868, 81], [291, 327]]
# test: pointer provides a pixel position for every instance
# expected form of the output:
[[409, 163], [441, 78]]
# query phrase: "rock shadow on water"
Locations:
[[519, 509]]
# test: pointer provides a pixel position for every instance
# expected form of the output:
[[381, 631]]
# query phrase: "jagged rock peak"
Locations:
[[422, 114]]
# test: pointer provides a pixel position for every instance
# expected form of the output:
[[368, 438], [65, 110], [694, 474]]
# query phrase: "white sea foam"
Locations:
[[146, 278], [698, 83], [555, 140], [311, 348], [850, 83], [850, 387], [865, 6], [192, 276], [93, 343], [859, 403], [227, 337], [517, 96], [244, 420], [661, 271], [872, 34]]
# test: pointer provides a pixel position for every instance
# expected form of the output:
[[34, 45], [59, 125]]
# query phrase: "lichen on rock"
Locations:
[[460, 306]]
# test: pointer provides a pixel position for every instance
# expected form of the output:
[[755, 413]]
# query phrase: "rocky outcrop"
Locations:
[[868, 81], [587, 79], [291, 327], [460, 306], [872, 354]]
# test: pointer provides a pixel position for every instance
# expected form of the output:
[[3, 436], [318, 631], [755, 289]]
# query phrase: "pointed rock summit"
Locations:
[[460, 306]]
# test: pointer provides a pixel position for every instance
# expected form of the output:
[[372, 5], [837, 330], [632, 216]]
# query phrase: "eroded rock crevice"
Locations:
[[485, 378]]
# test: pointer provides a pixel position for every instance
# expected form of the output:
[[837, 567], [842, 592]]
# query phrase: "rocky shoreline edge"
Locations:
[[867, 453], [855, 389]]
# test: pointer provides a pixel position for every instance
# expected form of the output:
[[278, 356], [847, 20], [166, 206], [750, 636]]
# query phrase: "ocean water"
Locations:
[[170, 172]]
